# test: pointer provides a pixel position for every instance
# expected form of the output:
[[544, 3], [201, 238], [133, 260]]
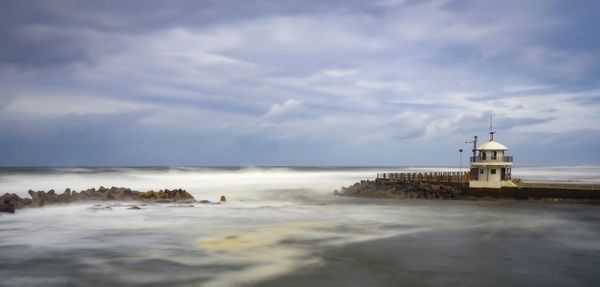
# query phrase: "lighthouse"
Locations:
[[490, 166]]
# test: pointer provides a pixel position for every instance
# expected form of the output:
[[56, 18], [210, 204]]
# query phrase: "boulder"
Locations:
[[14, 200], [37, 198], [65, 197], [99, 207], [7, 207], [10, 202]]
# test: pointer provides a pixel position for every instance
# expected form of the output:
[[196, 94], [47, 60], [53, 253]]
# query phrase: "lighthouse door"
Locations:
[[474, 174], [503, 174]]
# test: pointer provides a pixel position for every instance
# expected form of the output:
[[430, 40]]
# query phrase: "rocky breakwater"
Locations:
[[9, 202], [401, 190]]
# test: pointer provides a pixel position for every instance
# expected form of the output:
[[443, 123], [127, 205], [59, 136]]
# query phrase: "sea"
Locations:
[[283, 226]]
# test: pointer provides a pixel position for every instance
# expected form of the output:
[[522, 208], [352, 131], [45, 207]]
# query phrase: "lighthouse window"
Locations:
[[493, 171]]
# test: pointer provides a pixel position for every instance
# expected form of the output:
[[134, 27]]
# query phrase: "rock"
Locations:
[[74, 196], [119, 193], [7, 207], [99, 207], [223, 199], [37, 198], [65, 197], [400, 190], [207, 202], [10, 202], [182, 205], [14, 200], [134, 207]]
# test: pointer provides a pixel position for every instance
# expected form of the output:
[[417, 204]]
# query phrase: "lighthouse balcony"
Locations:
[[492, 159]]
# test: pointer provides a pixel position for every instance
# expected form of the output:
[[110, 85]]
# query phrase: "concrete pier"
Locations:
[[521, 190]]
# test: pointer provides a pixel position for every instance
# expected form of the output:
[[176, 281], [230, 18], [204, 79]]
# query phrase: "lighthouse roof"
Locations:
[[492, 145]]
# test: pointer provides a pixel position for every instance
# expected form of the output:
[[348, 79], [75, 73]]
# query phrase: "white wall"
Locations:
[[487, 179]]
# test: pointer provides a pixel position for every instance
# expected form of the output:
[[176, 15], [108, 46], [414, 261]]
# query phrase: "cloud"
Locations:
[[528, 88], [52, 105], [285, 109], [409, 125], [331, 81], [390, 3]]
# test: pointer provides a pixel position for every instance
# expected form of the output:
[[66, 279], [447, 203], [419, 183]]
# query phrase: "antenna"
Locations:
[[491, 129], [474, 142], [460, 150]]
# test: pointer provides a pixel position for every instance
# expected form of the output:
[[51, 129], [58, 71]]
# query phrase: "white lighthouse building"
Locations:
[[490, 167]]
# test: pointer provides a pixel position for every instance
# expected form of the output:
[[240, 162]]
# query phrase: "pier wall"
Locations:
[[523, 190], [534, 193]]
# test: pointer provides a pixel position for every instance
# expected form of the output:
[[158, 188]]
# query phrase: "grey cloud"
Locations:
[[574, 147], [5, 101], [71, 20], [508, 123], [480, 124], [192, 82], [121, 139], [588, 99]]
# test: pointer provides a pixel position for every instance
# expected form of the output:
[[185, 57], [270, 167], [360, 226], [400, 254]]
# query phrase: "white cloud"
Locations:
[[339, 73], [285, 109], [390, 3], [54, 105], [526, 88], [409, 125]]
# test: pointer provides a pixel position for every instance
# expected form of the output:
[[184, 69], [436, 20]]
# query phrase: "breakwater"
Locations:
[[401, 189], [455, 185], [10, 202]]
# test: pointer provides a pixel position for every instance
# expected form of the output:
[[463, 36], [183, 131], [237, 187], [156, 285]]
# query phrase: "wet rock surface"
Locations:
[[10, 202], [429, 190], [401, 190]]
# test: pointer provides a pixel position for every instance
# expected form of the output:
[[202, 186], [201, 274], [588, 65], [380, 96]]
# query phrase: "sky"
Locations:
[[252, 83]]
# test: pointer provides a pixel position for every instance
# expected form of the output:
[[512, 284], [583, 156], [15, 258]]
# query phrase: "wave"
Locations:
[[242, 182]]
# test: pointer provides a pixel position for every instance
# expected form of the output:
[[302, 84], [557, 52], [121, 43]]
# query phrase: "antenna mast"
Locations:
[[474, 142], [491, 129]]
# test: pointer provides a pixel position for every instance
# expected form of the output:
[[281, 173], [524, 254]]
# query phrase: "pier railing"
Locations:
[[451, 176], [492, 159]]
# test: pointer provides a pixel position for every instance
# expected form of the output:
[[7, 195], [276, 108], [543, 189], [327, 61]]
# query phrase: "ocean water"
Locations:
[[284, 227]]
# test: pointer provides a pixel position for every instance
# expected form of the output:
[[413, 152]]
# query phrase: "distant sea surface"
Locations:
[[282, 226]]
